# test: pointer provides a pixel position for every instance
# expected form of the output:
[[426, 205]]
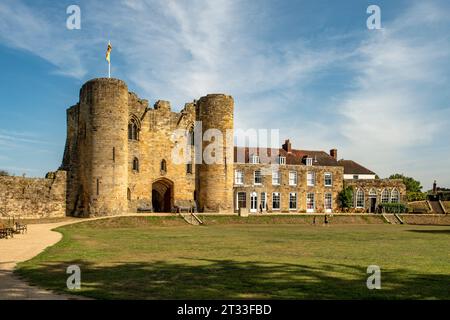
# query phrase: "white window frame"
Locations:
[[293, 178], [328, 202], [254, 159], [325, 179], [254, 177], [264, 200], [392, 196], [281, 160], [276, 194], [253, 202], [291, 194], [276, 177], [237, 199], [309, 161], [310, 182], [313, 209], [360, 196], [238, 177], [385, 196]]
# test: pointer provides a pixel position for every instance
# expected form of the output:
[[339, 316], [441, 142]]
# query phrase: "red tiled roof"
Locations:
[[320, 158], [351, 167]]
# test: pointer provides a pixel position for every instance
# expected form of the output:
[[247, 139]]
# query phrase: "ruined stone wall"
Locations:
[[71, 152], [96, 155], [319, 189], [155, 144], [99, 152], [33, 197]]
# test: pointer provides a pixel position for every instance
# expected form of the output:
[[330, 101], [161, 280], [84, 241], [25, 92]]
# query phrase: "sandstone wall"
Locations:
[[96, 153], [155, 145], [319, 189], [33, 197], [426, 219], [374, 189], [99, 153], [215, 181]]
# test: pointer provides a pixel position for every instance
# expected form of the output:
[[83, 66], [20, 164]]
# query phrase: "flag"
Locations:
[[108, 52]]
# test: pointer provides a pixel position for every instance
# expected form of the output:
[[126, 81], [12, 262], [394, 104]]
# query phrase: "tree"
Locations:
[[346, 197], [4, 173], [413, 187]]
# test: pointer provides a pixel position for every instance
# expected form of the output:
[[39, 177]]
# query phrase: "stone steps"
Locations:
[[191, 218]]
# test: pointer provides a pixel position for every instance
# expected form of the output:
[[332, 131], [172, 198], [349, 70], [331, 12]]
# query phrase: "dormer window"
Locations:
[[309, 161], [254, 159], [281, 160]]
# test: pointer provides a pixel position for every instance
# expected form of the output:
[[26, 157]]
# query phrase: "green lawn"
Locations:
[[162, 258]]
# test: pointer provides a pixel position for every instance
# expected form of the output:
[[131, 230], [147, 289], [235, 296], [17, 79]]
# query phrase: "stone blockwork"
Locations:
[[96, 155], [301, 188], [215, 180], [123, 155], [118, 152], [373, 191], [33, 197]]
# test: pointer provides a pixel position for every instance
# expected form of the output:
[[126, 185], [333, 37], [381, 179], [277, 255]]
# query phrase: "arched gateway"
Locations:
[[162, 195]]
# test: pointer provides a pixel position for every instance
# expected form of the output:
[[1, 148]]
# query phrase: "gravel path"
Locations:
[[26, 246], [21, 248]]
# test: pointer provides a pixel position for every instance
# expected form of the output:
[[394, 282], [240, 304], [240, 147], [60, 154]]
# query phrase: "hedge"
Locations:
[[393, 208]]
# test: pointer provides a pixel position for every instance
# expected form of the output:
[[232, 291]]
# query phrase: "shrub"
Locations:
[[4, 173], [416, 196], [346, 198], [393, 208]]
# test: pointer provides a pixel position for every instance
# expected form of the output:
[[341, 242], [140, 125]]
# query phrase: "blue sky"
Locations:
[[309, 68]]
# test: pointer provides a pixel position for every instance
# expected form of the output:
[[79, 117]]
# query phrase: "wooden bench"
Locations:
[[145, 210], [21, 228], [3, 231], [6, 232]]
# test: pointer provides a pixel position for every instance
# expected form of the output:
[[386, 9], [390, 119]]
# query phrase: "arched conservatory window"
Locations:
[[385, 196], [360, 198], [395, 196]]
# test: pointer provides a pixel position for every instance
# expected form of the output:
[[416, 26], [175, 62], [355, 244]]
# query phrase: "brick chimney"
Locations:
[[287, 146], [333, 153]]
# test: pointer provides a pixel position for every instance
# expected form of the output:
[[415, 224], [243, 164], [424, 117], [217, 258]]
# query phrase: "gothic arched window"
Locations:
[[360, 198], [395, 196], [385, 196], [133, 130]]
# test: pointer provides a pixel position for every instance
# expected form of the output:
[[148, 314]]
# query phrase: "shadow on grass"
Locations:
[[228, 279], [432, 231]]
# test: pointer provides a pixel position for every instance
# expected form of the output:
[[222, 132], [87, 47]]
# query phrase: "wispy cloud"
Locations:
[[395, 112], [15, 139], [45, 35], [389, 107]]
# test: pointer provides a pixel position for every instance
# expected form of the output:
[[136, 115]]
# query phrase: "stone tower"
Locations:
[[102, 148], [215, 181]]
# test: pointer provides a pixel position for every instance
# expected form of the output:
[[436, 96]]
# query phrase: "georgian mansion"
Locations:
[[306, 182]]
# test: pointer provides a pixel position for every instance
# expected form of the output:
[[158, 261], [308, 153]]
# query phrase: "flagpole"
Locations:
[[108, 58]]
